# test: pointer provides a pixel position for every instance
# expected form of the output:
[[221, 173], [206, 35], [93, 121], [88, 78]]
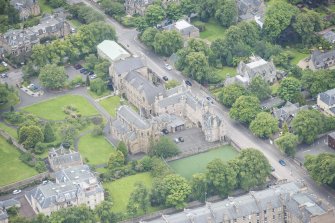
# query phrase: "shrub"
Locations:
[[97, 131], [40, 166]]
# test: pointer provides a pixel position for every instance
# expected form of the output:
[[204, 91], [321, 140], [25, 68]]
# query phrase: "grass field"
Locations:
[[95, 148], [297, 55], [121, 189], [111, 104], [186, 167], [11, 167], [212, 31], [11, 131], [53, 108], [224, 71], [44, 7]]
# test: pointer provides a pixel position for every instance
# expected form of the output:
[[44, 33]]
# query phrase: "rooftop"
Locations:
[[328, 97], [132, 117], [182, 24], [112, 49]]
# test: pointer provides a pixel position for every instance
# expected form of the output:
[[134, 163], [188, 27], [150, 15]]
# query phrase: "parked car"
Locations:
[[187, 82], [4, 75], [282, 162], [4, 64], [168, 66], [272, 169], [176, 140], [165, 131], [83, 70], [78, 66], [91, 73], [210, 99], [86, 72], [44, 182], [17, 191], [93, 76], [165, 78], [181, 139]]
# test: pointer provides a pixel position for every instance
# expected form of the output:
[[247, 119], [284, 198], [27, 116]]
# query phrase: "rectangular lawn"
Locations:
[[212, 31], [53, 109], [12, 169], [95, 148], [188, 166], [121, 189], [225, 71], [111, 104]]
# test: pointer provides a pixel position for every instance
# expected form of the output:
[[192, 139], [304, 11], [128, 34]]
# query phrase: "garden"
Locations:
[[110, 104], [212, 30]]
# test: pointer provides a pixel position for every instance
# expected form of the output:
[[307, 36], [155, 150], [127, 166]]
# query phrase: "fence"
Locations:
[[15, 143]]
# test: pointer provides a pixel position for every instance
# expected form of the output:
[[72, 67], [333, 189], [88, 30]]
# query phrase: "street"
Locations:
[[235, 131]]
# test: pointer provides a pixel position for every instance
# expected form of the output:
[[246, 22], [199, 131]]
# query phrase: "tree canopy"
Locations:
[[288, 143], [52, 76], [289, 89], [165, 148], [231, 93], [264, 125], [321, 168], [259, 88], [245, 109]]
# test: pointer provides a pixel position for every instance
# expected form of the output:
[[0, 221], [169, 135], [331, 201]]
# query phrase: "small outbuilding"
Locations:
[[112, 51]]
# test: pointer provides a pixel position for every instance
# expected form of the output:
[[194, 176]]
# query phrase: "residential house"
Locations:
[[257, 66], [286, 113], [326, 101], [251, 10], [63, 158], [139, 6], [329, 36], [74, 186], [19, 42], [283, 203], [111, 51], [322, 59], [272, 102], [4, 206], [186, 29], [26, 8]]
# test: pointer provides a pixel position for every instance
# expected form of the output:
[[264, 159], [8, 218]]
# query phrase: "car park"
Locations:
[[187, 82], [16, 192], [168, 66], [165, 78], [181, 139], [282, 162]]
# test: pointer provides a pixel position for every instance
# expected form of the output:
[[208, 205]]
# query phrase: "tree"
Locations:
[[173, 11], [321, 168], [318, 81], [87, 82], [171, 84], [200, 187], [197, 67], [288, 143], [81, 214], [231, 93], [222, 177], [188, 6], [278, 17], [307, 124], [116, 160], [254, 168], [164, 148], [171, 191], [227, 13], [289, 89], [49, 135], [52, 76], [122, 148], [148, 36], [101, 69], [68, 132], [112, 7], [103, 211], [4, 92], [245, 109], [90, 61], [154, 14], [98, 86], [139, 200], [29, 136], [264, 125], [259, 88], [167, 42]]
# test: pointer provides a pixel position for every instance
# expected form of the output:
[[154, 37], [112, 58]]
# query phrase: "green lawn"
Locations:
[[96, 149], [111, 104], [297, 55], [212, 31], [53, 109], [224, 71], [121, 189], [75, 23], [45, 8], [274, 88], [11, 167], [188, 166], [11, 131]]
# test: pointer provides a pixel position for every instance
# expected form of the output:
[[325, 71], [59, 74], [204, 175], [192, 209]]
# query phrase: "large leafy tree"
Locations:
[[227, 13], [288, 143], [307, 124], [264, 125], [318, 81], [122, 148], [103, 211], [321, 168], [116, 160], [200, 187], [52, 76], [72, 215], [167, 42], [278, 17], [49, 135], [197, 67], [289, 89], [222, 176], [245, 109], [154, 14], [139, 200], [172, 191], [165, 148], [148, 36], [259, 88], [254, 168], [231, 93], [30, 135], [5, 91], [174, 11]]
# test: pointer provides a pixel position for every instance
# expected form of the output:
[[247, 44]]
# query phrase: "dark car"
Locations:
[[181, 139], [83, 70], [282, 162], [90, 73], [165, 131], [165, 78], [86, 72], [78, 66], [188, 83]]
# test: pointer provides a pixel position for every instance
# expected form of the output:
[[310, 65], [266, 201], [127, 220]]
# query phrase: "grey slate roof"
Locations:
[[288, 110], [247, 9], [127, 65], [272, 102], [171, 120], [132, 117], [20, 4], [80, 173], [3, 215], [9, 203], [175, 98], [329, 36], [144, 86], [48, 24], [19, 37], [63, 156], [300, 204], [328, 97], [319, 58]]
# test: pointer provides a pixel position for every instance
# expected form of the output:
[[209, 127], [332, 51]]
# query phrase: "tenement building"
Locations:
[[285, 203], [74, 186]]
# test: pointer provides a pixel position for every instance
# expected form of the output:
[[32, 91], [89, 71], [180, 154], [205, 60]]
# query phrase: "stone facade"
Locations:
[[322, 59], [26, 8], [74, 186], [326, 101], [63, 158]]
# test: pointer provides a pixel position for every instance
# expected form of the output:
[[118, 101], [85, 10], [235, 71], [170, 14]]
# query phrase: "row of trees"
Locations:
[[85, 14]]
